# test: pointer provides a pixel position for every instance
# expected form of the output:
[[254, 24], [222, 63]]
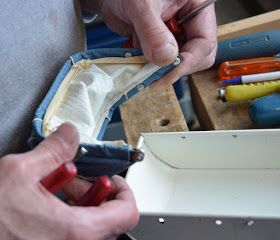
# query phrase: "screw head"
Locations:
[[128, 54], [140, 87], [177, 61]]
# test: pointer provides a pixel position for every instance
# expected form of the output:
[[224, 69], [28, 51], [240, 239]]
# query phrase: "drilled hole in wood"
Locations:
[[163, 122]]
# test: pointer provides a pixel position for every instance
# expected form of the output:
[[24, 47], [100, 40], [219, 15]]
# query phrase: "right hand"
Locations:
[[144, 20], [29, 211]]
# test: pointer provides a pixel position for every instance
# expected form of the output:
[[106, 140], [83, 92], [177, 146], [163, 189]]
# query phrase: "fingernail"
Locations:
[[68, 132], [164, 53]]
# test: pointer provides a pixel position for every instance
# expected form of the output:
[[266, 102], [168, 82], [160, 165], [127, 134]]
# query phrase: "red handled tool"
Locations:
[[56, 180], [175, 25], [100, 190], [60, 177]]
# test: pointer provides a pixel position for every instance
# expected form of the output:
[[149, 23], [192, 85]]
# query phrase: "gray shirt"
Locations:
[[36, 37]]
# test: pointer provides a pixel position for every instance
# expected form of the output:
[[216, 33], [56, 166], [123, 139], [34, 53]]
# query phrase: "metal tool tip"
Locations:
[[81, 152], [221, 94]]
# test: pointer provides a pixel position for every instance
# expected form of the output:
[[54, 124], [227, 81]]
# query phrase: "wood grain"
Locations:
[[263, 22], [145, 111], [152, 110], [212, 113]]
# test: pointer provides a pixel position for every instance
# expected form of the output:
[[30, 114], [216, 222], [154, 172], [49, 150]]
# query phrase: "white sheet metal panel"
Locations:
[[217, 149], [229, 174]]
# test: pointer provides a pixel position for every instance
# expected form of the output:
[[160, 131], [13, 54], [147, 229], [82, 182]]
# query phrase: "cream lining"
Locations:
[[90, 89]]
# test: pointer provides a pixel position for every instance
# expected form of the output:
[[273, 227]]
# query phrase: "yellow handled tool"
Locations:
[[247, 92]]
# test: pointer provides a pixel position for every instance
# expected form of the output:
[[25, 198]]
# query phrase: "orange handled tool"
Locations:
[[175, 25], [238, 68]]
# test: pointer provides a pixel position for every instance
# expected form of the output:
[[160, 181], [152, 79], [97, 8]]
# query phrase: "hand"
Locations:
[[144, 20], [29, 211]]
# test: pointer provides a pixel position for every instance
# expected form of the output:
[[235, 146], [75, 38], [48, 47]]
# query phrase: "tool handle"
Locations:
[[129, 43], [237, 68], [57, 179], [100, 190], [172, 25], [265, 111], [249, 46], [251, 91]]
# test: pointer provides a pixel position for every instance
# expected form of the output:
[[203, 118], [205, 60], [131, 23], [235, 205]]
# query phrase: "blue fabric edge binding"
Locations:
[[120, 155]]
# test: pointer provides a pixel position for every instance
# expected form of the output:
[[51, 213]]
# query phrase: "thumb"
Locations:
[[60, 147], [158, 43]]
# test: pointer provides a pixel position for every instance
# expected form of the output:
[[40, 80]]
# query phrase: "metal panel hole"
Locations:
[[161, 220], [250, 223], [218, 222]]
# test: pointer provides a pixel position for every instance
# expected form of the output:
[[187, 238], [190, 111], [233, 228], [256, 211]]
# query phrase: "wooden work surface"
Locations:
[[212, 113], [152, 110]]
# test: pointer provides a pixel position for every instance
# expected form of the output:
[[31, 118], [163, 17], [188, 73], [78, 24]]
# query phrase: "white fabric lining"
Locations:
[[90, 89]]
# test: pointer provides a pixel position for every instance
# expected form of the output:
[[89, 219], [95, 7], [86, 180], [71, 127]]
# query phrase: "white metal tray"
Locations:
[[216, 175]]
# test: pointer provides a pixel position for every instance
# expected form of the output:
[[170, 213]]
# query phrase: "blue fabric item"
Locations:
[[100, 36], [104, 159], [101, 159], [265, 111]]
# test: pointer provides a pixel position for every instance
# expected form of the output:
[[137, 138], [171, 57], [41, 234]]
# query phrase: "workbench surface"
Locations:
[[158, 110], [212, 113]]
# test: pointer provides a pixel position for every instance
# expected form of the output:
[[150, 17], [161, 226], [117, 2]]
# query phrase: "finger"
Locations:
[[194, 60], [123, 205], [58, 148], [203, 25], [118, 26], [76, 189], [121, 188], [136, 41], [112, 217], [157, 42], [113, 21], [199, 51]]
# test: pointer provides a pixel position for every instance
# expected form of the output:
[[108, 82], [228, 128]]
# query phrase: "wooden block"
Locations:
[[269, 5], [212, 113], [145, 111], [152, 110], [263, 22]]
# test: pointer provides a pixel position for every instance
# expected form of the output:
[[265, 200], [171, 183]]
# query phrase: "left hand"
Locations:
[[29, 211], [144, 20]]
